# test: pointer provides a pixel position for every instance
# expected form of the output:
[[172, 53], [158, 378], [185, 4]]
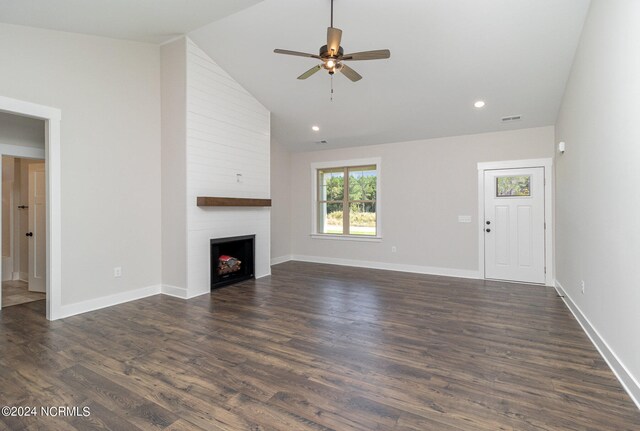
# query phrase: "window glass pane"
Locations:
[[331, 184], [362, 218], [330, 218], [362, 183], [513, 186]]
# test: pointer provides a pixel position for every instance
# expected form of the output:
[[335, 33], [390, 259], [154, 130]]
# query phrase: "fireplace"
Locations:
[[232, 260]]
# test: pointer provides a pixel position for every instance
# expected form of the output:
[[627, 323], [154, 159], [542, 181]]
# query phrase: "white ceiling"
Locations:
[[445, 54], [143, 20]]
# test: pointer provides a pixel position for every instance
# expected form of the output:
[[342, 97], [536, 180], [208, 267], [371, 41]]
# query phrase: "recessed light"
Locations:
[[479, 104], [315, 128]]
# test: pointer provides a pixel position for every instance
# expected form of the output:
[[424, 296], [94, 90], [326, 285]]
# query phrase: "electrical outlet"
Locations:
[[394, 249], [117, 271], [582, 286]]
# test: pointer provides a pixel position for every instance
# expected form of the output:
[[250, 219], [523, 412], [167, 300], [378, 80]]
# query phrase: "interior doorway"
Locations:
[[23, 230], [51, 154]]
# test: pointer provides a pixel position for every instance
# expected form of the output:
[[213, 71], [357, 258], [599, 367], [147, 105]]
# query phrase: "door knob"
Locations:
[[488, 230], [29, 233]]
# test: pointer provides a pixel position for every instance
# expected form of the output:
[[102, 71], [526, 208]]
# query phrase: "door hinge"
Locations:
[[545, 269], [545, 225]]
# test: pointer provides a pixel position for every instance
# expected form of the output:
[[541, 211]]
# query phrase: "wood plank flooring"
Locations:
[[316, 347], [17, 292]]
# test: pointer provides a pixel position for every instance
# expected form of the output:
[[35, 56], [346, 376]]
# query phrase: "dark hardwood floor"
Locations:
[[16, 292], [316, 347]]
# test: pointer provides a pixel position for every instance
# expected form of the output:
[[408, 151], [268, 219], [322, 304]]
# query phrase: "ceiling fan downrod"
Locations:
[[331, 13]]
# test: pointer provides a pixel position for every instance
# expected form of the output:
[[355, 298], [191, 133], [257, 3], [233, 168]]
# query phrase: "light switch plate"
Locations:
[[464, 219]]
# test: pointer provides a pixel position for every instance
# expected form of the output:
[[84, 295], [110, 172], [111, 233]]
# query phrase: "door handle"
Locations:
[[488, 230], [29, 234], [488, 222]]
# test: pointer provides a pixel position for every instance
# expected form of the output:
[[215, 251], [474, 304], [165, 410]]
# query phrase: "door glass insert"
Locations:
[[514, 186]]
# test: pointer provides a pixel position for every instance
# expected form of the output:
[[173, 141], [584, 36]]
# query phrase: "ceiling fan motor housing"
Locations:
[[324, 52]]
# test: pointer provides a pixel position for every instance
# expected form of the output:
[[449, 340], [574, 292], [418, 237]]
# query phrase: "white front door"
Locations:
[[37, 228], [514, 225]]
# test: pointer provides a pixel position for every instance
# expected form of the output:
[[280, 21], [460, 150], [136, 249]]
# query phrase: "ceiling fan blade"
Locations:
[[379, 54], [310, 72], [296, 53], [334, 36], [350, 73]]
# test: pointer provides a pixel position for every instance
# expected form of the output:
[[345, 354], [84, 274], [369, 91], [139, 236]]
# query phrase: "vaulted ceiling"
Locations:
[[515, 55], [445, 54]]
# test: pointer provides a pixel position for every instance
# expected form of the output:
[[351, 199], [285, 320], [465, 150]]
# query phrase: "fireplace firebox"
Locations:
[[232, 260]]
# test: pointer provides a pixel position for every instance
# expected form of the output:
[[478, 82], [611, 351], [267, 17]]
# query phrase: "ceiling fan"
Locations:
[[332, 55]]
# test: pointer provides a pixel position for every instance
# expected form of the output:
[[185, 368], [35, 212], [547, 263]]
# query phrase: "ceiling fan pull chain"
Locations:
[[332, 80]]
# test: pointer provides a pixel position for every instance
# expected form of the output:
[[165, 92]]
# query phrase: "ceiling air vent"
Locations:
[[511, 118]]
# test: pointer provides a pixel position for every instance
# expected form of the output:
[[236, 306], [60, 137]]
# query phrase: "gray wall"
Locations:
[[598, 198], [109, 94], [280, 202], [425, 186], [24, 131], [174, 164]]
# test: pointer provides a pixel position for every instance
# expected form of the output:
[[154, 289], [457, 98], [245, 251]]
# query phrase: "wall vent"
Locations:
[[320, 142], [511, 118]]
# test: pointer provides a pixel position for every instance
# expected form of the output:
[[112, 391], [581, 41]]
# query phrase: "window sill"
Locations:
[[346, 237]]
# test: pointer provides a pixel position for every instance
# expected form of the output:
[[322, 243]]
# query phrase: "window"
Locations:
[[346, 200], [513, 186]]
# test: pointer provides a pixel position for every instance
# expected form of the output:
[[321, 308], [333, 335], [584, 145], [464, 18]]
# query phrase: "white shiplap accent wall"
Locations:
[[228, 133]]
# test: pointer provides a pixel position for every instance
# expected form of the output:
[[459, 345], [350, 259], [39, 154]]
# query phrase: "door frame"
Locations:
[[52, 118], [547, 164]]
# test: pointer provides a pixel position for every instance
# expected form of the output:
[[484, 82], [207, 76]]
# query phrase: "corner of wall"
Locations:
[[625, 377], [281, 242]]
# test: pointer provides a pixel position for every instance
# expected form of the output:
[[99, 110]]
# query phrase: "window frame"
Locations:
[[315, 194]]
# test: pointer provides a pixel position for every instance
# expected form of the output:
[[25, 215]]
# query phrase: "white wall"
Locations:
[[228, 133], [280, 202], [598, 199], [109, 94], [425, 185]]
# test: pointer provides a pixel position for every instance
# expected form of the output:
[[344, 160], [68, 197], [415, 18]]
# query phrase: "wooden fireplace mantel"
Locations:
[[207, 201]]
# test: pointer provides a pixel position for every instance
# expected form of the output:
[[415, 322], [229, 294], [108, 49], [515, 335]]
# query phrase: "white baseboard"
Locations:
[[15, 275], [447, 272], [23, 276], [281, 259], [628, 381], [266, 274], [106, 301], [175, 291]]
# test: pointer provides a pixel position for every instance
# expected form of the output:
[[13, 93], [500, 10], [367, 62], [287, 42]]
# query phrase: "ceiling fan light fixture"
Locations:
[[332, 55]]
